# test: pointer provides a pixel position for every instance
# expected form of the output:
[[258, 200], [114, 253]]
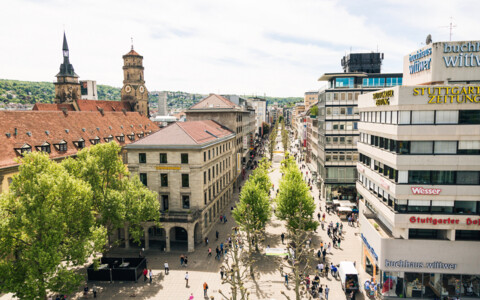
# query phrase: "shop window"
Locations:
[[467, 235], [427, 234]]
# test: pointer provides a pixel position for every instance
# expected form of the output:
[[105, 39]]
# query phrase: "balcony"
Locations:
[[180, 216]]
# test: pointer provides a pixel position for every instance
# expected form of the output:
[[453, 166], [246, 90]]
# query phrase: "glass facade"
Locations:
[[344, 82], [429, 285]]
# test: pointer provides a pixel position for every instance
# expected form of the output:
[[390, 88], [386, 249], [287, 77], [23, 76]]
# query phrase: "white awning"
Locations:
[[443, 203], [419, 202]]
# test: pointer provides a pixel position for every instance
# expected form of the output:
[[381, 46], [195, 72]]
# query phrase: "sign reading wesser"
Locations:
[[423, 191]]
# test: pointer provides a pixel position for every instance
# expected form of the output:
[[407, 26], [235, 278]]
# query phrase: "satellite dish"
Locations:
[[429, 39]]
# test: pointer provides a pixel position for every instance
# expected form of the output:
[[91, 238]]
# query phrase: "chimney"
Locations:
[[65, 111]]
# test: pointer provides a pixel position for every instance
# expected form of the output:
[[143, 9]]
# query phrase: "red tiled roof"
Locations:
[[31, 128], [214, 101], [187, 133], [133, 52], [94, 105], [53, 107]]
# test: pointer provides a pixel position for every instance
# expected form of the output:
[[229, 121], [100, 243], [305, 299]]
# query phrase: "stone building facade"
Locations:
[[191, 166]]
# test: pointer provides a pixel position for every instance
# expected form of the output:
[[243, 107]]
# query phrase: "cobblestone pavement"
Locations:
[[206, 269]]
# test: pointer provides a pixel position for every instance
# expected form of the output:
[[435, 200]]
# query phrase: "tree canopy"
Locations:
[[47, 228]]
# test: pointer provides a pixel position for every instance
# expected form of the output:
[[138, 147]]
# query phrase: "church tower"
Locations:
[[134, 90], [67, 87]]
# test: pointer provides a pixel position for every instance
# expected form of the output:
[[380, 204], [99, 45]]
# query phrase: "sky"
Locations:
[[250, 47]]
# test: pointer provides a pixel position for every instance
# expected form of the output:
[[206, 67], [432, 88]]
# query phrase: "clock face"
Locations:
[[128, 89], [141, 89]]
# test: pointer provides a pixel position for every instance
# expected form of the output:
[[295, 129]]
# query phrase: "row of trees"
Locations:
[[273, 140], [57, 216], [296, 206], [285, 138]]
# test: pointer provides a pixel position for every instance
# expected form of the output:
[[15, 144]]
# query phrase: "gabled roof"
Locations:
[[185, 133], [214, 101], [37, 127]]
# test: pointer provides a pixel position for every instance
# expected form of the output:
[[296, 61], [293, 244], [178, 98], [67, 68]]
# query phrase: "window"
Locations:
[[108, 139], [186, 201], [344, 82], [421, 147], [423, 117], [131, 136], [404, 117], [95, 141], [465, 207], [62, 146], [208, 174], [205, 177], [120, 138], [446, 117], [443, 177], [442, 147], [467, 235], [184, 158], [208, 154], [468, 177], [469, 117], [430, 234], [394, 117], [142, 158], [403, 147], [469, 147], [205, 156], [163, 158], [44, 148], [164, 180], [205, 198], [164, 202], [80, 144], [143, 178], [422, 177], [185, 180]]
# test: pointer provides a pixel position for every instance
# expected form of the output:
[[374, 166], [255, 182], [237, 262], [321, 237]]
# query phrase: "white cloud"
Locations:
[[277, 47]]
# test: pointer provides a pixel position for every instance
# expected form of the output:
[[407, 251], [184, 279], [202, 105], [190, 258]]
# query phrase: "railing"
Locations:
[[180, 216]]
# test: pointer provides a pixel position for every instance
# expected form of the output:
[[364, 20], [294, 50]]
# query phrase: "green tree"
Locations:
[[47, 228], [117, 199], [253, 211], [296, 206]]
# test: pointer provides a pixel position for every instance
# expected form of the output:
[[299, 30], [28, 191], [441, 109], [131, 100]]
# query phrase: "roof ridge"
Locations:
[[189, 135]]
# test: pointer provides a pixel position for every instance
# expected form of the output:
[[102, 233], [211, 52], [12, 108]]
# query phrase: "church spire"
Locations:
[[66, 68]]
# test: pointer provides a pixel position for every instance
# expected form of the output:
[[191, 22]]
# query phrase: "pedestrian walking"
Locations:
[[186, 279], [191, 296], [209, 252], [321, 246], [329, 247], [85, 291], [145, 274], [206, 241], [182, 260], [216, 235], [221, 218], [283, 237], [150, 275], [167, 269], [205, 289], [94, 291], [320, 291], [185, 261], [286, 279], [324, 254], [221, 273], [338, 241], [327, 290], [327, 269]]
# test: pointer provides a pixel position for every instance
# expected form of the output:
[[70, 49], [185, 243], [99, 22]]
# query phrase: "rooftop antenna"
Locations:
[[132, 42], [451, 26]]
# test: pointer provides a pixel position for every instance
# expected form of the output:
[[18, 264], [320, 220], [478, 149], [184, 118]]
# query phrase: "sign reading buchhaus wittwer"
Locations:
[[419, 176], [443, 62]]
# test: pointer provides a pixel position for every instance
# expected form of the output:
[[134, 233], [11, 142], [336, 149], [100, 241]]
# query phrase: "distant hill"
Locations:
[[30, 92]]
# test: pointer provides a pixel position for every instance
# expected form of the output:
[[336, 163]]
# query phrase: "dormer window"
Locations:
[[140, 135], [45, 147], [26, 148], [121, 138], [95, 141], [61, 146], [80, 144], [131, 136], [108, 139]]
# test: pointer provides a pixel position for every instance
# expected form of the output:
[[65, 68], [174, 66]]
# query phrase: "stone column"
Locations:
[[127, 237], [191, 242], [167, 239], [147, 239]]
